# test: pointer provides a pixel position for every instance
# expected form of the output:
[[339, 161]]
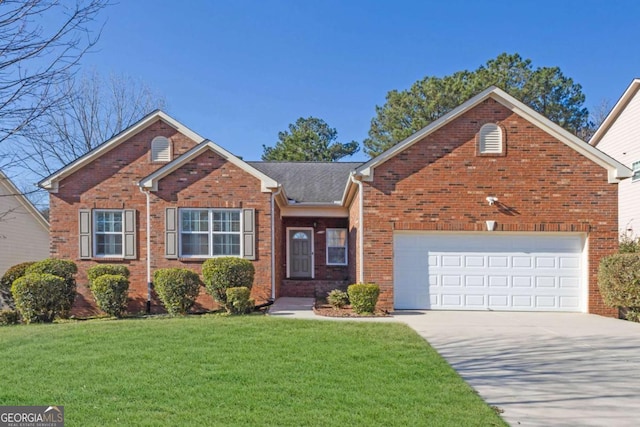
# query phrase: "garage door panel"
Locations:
[[451, 261], [498, 272], [474, 281], [475, 301], [522, 281], [452, 300], [522, 302], [448, 281], [474, 261], [569, 302]]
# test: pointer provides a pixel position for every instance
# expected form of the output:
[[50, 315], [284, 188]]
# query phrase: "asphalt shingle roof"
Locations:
[[309, 182]]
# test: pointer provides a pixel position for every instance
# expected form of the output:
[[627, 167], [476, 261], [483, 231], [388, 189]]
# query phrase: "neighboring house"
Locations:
[[619, 137], [24, 233], [413, 220]]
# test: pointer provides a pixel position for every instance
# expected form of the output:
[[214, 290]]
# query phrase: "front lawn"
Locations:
[[252, 370]]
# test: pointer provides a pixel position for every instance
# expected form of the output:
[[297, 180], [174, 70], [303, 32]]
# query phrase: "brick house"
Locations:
[[490, 207]]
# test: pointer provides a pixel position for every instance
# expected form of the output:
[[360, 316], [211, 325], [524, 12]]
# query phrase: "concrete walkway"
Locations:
[[298, 308], [541, 369], [302, 308]]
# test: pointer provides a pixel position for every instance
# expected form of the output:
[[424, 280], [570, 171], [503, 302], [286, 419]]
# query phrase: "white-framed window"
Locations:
[[208, 233], [108, 231], [161, 149], [636, 171], [337, 246], [490, 139]]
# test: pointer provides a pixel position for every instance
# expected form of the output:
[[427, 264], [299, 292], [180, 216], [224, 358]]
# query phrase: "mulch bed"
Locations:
[[322, 308]]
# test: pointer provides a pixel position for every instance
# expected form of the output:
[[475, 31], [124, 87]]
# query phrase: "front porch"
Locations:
[[310, 288]]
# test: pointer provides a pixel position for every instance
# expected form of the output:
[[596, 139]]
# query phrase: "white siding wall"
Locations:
[[622, 142], [22, 236]]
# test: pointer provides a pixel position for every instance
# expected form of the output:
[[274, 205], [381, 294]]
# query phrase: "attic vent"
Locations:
[[490, 139], [160, 149]]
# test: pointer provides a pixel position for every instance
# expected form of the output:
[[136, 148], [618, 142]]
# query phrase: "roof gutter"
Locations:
[[353, 179]]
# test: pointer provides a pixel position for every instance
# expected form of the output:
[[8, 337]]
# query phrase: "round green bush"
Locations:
[[223, 273], [177, 288], [39, 297], [9, 317], [239, 301], [61, 268], [337, 298], [363, 297], [7, 280], [102, 269], [619, 280], [110, 293]]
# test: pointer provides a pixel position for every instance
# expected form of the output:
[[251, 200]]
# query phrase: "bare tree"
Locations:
[[95, 110], [597, 114], [41, 42]]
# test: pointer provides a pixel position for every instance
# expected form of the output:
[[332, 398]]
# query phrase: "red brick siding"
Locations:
[[111, 182], [440, 183]]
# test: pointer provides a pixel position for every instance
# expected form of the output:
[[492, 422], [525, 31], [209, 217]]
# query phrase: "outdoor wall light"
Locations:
[[492, 200]]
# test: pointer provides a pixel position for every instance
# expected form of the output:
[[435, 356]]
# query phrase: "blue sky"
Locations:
[[238, 72]]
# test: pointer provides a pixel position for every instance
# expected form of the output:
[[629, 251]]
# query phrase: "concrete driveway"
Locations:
[[542, 369]]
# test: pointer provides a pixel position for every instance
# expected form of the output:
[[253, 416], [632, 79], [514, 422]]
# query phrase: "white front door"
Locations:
[[506, 271], [300, 259]]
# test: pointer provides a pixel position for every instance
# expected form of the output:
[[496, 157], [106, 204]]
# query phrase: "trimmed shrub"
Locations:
[[633, 315], [629, 244], [338, 299], [9, 317], [64, 269], [223, 273], [177, 288], [619, 280], [363, 297], [39, 297], [110, 292], [239, 301], [13, 273], [102, 269]]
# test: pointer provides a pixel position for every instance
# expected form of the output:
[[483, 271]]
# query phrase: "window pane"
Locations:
[[226, 244], [108, 244], [337, 255], [337, 238], [108, 222], [300, 236], [226, 221], [195, 220], [195, 244]]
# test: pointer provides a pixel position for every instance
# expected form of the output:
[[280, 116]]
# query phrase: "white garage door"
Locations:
[[463, 271]]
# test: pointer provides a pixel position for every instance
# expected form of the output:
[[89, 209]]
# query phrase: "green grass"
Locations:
[[252, 370]]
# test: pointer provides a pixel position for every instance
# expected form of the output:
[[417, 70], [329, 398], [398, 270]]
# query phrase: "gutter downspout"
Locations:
[[361, 226], [149, 283], [273, 243]]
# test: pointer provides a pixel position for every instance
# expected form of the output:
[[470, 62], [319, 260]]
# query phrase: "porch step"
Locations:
[[310, 288]]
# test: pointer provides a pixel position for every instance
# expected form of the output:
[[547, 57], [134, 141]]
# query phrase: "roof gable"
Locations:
[[151, 181], [12, 190], [51, 182], [615, 112], [616, 170]]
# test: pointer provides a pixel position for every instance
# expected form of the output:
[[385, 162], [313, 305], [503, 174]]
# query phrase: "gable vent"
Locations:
[[491, 139], [160, 149]]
